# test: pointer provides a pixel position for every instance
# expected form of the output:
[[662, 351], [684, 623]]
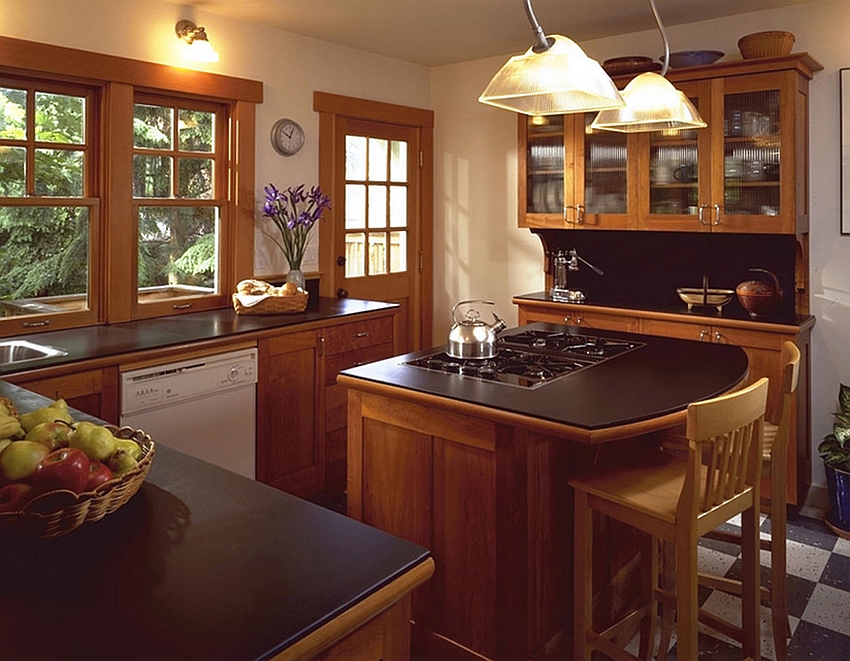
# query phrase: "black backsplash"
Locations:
[[643, 269]]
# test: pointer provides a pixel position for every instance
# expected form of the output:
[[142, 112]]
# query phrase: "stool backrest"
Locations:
[[724, 451]]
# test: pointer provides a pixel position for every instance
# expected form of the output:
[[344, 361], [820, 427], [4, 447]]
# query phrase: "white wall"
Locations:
[[481, 253], [291, 68]]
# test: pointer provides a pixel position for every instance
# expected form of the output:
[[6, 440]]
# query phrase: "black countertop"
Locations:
[[660, 378], [699, 313], [115, 339], [200, 564]]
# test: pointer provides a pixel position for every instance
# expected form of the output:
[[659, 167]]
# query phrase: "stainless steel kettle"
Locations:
[[470, 337]]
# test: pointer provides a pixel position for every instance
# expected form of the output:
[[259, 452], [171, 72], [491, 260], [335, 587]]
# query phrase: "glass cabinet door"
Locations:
[[545, 166], [606, 177]]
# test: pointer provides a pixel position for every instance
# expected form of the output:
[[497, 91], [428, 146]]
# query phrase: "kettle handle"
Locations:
[[474, 300], [772, 275]]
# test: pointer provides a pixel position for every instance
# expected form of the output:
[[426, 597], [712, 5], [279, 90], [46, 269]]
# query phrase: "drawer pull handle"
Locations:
[[182, 306], [363, 334], [36, 324]]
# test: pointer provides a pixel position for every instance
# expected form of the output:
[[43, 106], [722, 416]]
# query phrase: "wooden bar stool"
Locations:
[[677, 500], [775, 464]]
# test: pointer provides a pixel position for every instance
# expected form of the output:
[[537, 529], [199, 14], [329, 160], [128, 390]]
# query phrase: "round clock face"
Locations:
[[287, 137]]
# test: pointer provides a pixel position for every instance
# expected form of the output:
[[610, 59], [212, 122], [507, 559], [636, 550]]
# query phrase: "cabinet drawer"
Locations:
[[341, 361], [357, 335], [750, 338], [681, 330]]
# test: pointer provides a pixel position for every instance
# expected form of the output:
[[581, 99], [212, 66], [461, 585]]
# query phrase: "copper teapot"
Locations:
[[759, 297]]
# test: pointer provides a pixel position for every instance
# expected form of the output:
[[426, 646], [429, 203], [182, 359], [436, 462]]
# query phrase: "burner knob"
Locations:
[[452, 367]]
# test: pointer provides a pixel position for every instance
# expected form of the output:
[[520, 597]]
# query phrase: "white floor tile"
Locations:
[[842, 546], [713, 562], [829, 608], [803, 561]]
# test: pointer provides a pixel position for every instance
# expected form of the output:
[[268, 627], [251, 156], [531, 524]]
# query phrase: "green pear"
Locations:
[[9, 426], [95, 440], [19, 459], [54, 434], [45, 414], [130, 447], [3, 443], [120, 462]]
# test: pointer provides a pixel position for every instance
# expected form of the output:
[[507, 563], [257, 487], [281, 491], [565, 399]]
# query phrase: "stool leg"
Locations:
[[668, 585], [778, 585], [750, 584], [582, 577], [687, 604], [650, 580]]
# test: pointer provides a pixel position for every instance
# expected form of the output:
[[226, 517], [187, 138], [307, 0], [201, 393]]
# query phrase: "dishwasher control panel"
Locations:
[[175, 382]]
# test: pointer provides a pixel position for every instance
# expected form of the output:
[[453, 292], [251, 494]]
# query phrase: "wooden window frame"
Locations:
[[119, 79]]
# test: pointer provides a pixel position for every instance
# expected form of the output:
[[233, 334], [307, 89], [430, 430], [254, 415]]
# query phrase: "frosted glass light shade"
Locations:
[[562, 79], [652, 104], [200, 50]]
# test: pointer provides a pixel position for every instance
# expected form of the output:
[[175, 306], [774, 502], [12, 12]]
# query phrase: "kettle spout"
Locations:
[[500, 324]]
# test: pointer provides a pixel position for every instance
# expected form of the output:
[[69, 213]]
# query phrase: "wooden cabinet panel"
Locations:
[[92, 391], [290, 455], [577, 315], [357, 335]]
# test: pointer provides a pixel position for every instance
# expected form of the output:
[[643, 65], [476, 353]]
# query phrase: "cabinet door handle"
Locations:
[[717, 336], [568, 321], [703, 334], [579, 214], [341, 293], [700, 215], [363, 334], [718, 211]]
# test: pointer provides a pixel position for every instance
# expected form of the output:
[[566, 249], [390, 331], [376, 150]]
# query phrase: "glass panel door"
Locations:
[[605, 171], [545, 158]]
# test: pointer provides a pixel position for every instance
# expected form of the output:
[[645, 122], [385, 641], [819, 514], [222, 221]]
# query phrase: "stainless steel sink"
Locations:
[[13, 352]]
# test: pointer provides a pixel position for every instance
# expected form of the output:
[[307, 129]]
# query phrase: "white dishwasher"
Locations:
[[205, 407]]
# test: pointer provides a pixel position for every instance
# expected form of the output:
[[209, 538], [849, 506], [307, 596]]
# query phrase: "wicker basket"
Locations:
[[59, 512], [274, 304], [766, 44]]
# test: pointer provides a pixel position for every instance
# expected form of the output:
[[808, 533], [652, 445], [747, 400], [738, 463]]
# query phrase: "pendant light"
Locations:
[[553, 77], [652, 103]]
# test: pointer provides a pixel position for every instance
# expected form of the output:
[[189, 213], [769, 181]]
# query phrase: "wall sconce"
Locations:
[[199, 49], [554, 76]]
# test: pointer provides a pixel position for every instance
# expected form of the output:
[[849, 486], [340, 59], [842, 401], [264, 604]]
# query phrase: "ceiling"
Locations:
[[438, 32]]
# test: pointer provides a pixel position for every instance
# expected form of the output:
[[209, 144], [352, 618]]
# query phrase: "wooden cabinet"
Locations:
[[761, 341], [301, 410], [290, 453], [93, 391], [746, 172], [345, 346]]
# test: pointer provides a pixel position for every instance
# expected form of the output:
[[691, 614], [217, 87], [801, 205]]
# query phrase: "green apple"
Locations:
[[130, 447], [45, 414], [120, 462], [95, 440], [54, 434], [19, 459]]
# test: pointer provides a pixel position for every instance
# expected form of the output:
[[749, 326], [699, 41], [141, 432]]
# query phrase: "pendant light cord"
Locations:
[[663, 37], [542, 42]]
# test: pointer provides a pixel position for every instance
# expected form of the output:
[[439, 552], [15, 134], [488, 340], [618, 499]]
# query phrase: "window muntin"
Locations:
[[48, 209], [177, 166]]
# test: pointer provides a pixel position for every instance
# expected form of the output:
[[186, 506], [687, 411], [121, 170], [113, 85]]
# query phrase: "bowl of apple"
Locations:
[[57, 473]]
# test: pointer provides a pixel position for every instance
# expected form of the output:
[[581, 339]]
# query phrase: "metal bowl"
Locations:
[[705, 297], [693, 58]]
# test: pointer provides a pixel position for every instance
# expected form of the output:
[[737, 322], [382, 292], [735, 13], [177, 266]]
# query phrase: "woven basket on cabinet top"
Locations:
[[766, 44]]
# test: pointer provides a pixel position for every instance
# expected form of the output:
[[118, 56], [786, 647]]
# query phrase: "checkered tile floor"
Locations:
[[818, 593]]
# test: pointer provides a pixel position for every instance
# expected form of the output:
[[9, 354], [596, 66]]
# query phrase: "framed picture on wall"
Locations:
[[845, 149]]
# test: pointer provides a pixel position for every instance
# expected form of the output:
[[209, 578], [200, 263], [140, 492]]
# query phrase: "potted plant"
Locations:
[[835, 452]]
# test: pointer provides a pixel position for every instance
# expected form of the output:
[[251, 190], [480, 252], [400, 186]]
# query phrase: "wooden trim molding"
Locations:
[[32, 56], [374, 110]]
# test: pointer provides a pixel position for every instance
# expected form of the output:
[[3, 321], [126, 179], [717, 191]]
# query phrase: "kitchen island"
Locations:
[[204, 564], [477, 472]]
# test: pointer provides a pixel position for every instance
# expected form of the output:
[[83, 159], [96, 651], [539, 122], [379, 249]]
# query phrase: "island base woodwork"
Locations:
[[491, 502]]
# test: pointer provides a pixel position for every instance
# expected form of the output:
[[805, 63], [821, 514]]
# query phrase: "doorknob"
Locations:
[[341, 293], [340, 261]]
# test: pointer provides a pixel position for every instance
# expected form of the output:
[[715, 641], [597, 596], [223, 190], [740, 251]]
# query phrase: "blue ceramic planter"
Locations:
[[838, 483]]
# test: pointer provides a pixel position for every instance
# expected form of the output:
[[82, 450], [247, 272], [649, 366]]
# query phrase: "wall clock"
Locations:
[[287, 137]]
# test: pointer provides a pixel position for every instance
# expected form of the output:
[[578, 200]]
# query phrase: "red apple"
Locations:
[[14, 496], [65, 468], [98, 474]]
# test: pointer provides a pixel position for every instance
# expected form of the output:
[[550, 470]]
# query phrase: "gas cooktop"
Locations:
[[531, 358]]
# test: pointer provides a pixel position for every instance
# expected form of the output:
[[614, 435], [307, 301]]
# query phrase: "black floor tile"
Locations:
[[813, 642], [837, 573]]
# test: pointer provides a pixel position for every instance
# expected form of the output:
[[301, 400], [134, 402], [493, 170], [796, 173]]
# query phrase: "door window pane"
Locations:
[[377, 159], [13, 171], [355, 206], [151, 176], [196, 130], [355, 157], [398, 206], [178, 251], [13, 114], [60, 118], [377, 206], [377, 253], [355, 255], [152, 127], [195, 178], [398, 252], [398, 161], [44, 261], [59, 172]]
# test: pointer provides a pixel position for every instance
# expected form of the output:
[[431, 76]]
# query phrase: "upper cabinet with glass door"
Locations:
[[747, 172]]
